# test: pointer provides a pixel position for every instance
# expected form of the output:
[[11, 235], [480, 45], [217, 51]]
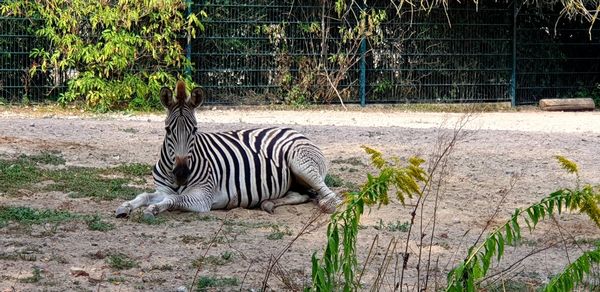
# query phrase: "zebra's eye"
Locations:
[[168, 130], [194, 131]]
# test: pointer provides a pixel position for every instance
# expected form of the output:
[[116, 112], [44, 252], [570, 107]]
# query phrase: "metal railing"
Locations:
[[267, 51]]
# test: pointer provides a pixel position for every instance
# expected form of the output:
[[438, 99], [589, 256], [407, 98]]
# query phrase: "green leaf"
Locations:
[[509, 235]]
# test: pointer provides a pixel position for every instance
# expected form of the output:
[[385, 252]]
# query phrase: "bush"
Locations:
[[116, 55]]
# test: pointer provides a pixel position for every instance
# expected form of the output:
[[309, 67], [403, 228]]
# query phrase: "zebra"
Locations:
[[199, 172]]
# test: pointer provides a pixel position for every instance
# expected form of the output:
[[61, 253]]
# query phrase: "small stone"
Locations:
[[76, 271], [32, 125], [182, 289]]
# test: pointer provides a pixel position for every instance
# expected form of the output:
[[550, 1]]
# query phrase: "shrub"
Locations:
[[118, 55]]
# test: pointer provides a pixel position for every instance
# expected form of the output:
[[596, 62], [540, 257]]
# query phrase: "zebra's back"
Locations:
[[249, 166]]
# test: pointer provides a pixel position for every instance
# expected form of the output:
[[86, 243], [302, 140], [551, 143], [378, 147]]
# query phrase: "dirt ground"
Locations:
[[496, 147]]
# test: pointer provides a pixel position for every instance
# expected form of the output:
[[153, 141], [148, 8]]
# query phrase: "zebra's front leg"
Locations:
[[193, 199], [154, 209], [143, 199]]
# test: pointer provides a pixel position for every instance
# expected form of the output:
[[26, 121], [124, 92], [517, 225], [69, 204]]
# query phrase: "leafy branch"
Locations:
[[467, 275], [342, 230], [574, 273]]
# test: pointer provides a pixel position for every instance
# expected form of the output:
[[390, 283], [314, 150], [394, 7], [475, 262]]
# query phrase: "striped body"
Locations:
[[246, 168], [242, 168]]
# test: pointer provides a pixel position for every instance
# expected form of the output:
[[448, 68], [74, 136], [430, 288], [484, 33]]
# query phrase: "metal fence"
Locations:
[[17, 41], [267, 51]]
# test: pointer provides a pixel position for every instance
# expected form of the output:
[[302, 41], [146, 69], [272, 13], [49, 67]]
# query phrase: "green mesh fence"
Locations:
[[267, 51], [17, 41], [432, 60], [555, 63]]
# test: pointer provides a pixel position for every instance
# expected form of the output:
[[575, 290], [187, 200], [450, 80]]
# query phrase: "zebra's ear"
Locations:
[[197, 97], [166, 97]]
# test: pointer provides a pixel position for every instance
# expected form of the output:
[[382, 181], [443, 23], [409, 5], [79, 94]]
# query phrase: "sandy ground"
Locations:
[[495, 148]]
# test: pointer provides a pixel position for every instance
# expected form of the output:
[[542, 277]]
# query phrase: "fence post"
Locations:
[[188, 45], [363, 72], [363, 68], [513, 77]]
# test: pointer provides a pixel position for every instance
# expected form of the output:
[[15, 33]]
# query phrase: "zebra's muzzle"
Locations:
[[181, 172]]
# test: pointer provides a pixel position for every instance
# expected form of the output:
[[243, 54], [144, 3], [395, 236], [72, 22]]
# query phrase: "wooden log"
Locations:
[[567, 104]]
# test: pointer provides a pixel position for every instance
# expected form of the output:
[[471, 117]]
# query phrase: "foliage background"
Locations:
[[115, 54], [266, 51]]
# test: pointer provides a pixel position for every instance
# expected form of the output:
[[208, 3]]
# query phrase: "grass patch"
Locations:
[[208, 218], [165, 267], [119, 261], [512, 285], [94, 222], [220, 260], [80, 182], [16, 174], [393, 226], [213, 282], [26, 215], [130, 130], [138, 217], [134, 169], [22, 255], [229, 222], [333, 181], [35, 277], [356, 161], [48, 158], [277, 233], [116, 280], [188, 239], [83, 182]]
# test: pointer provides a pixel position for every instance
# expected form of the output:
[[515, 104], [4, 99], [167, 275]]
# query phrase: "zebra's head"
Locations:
[[180, 127]]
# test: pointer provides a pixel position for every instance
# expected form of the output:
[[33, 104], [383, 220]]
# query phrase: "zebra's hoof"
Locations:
[[267, 206], [122, 212], [329, 205]]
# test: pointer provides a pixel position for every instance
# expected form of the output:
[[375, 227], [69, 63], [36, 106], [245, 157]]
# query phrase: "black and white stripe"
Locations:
[[247, 168]]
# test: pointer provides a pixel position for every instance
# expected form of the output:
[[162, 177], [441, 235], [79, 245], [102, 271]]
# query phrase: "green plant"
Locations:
[[26, 215], [593, 93], [333, 181], [36, 276], [116, 280], [118, 55], [82, 182], [165, 267], [381, 87], [296, 97], [15, 174], [356, 161], [220, 260], [576, 271], [46, 157], [134, 169], [23, 172], [213, 282], [95, 223], [138, 217], [119, 261], [397, 226], [277, 233], [339, 259], [466, 276]]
